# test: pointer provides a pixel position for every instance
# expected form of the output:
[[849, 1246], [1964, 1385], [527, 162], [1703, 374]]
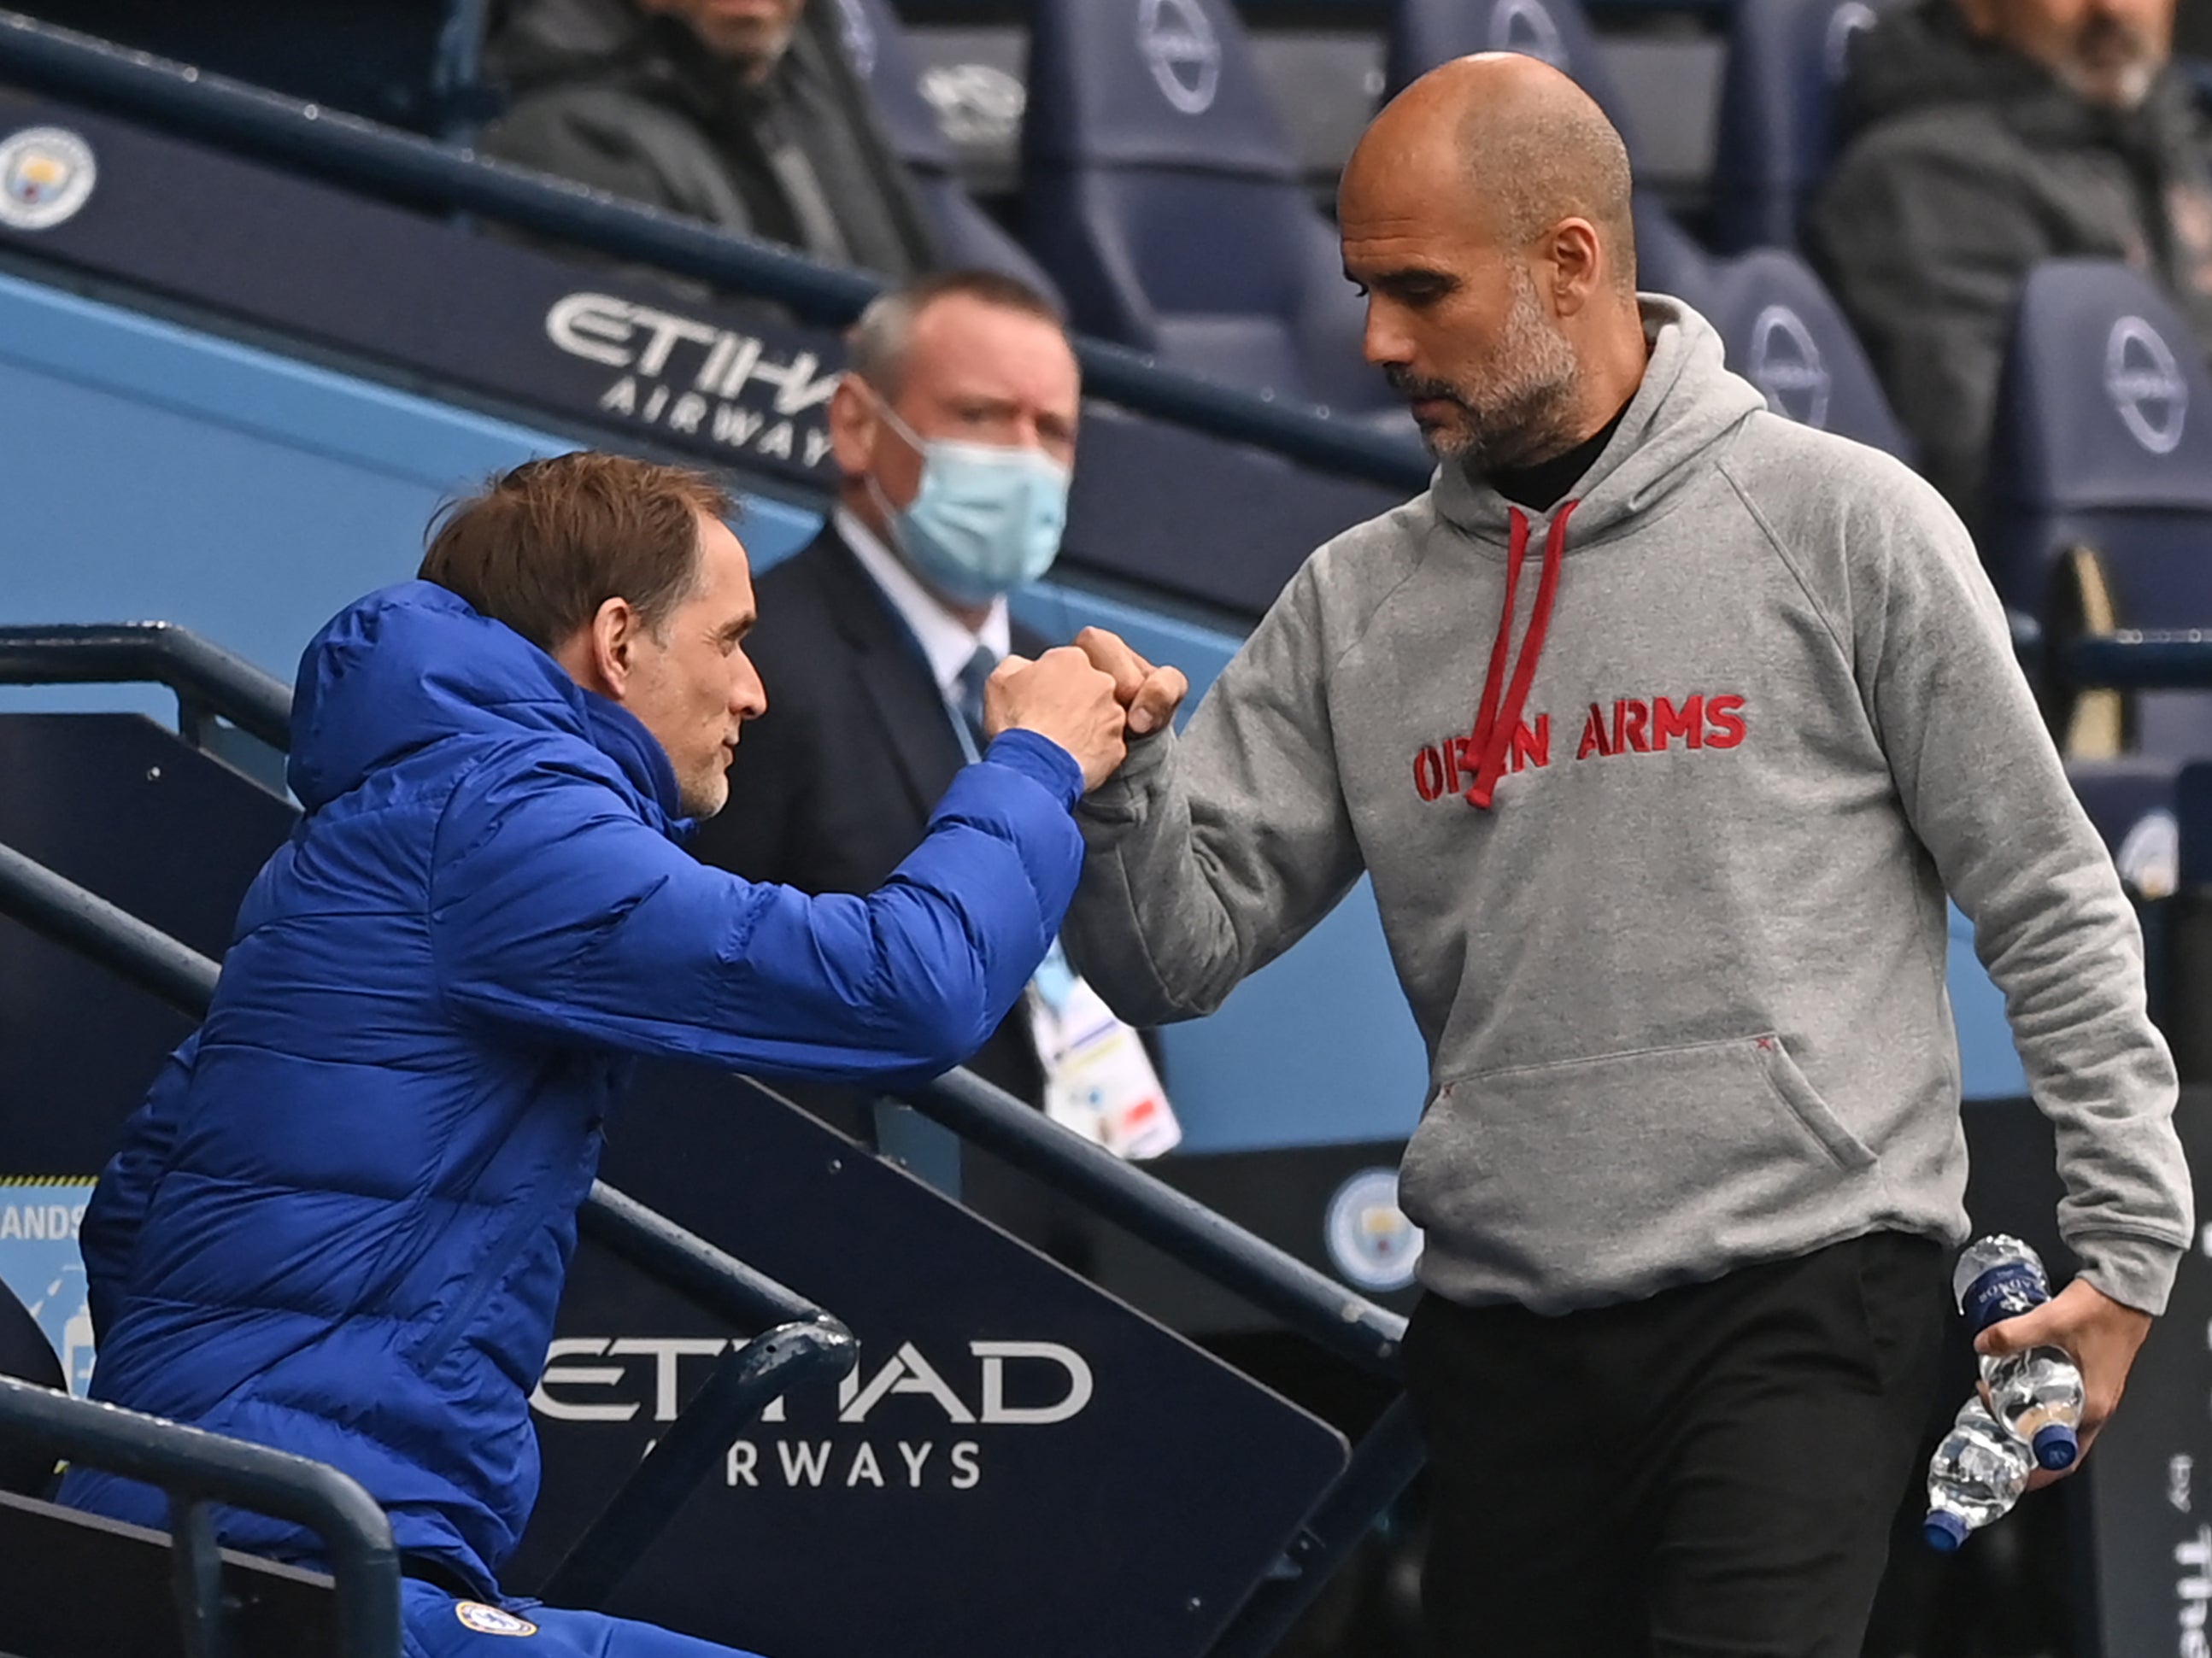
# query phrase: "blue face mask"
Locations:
[[986, 520]]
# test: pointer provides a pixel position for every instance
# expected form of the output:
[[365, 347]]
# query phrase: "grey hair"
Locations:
[[877, 345]]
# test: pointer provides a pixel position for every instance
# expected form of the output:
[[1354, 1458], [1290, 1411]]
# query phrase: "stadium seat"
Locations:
[[27, 1355], [1785, 67], [1787, 337], [1161, 194], [876, 41], [2099, 510], [2130, 799], [1667, 260], [1426, 33]]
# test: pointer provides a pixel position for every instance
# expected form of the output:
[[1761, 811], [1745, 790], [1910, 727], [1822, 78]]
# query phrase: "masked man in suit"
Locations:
[[954, 433]]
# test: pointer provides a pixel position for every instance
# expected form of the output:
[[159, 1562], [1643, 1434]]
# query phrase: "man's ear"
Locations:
[[602, 655], [852, 424], [1576, 258]]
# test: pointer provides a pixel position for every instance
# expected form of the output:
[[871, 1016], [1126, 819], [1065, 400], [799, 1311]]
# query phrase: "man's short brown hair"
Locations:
[[544, 545]]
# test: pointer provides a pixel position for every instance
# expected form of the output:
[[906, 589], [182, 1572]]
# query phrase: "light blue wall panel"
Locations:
[[161, 472]]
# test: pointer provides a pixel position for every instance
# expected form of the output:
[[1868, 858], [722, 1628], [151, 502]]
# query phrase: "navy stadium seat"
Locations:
[[1161, 194], [1786, 60], [2130, 799], [1426, 33], [1667, 260], [876, 42], [1787, 337], [2103, 440]]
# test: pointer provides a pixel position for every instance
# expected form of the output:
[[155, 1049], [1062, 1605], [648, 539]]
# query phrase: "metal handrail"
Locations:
[[816, 1346], [205, 676], [1317, 1307], [386, 158], [198, 1467], [1271, 1279], [2134, 660], [1310, 1303], [806, 1345]]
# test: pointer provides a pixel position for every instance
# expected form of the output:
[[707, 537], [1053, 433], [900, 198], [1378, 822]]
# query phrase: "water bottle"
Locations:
[[2036, 1396], [1975, 1477]]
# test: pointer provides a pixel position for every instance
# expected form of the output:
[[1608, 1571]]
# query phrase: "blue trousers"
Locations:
[[439, 1626]]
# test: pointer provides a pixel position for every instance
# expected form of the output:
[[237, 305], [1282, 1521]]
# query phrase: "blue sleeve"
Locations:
[[554, 909], [109, 1236]]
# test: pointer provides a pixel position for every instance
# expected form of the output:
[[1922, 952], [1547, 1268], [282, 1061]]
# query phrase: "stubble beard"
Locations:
[[1523, 411], [2121, 82]]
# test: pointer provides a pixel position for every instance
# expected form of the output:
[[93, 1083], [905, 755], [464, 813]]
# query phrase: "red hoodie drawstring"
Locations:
[[1494, 727]]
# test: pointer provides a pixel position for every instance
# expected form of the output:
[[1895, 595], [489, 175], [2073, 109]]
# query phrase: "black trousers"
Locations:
[[1711, 1470]]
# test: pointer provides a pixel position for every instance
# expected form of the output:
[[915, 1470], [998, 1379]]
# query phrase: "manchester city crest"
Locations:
[[47, 173], [1374, 1247]]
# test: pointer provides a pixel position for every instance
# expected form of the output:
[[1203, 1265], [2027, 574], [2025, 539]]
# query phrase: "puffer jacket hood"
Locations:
[[414, 665]]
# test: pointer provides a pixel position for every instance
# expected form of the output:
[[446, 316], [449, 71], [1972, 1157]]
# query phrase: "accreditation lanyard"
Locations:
[[1099, 1082]]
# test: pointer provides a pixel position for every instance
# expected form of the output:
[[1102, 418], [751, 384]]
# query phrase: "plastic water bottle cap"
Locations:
[[2055, 1447], [1943, 1531]]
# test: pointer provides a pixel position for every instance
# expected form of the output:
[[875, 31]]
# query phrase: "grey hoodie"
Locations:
[[1682, 981]]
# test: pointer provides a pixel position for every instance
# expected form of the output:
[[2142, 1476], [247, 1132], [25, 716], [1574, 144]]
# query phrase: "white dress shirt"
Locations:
[[946, 640]]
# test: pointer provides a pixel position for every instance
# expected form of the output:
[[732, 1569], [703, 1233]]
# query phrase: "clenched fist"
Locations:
[[1150, 695], [1060, 695]]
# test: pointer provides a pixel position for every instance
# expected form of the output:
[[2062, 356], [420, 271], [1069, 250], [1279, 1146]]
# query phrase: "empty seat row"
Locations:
[[1165, 201]]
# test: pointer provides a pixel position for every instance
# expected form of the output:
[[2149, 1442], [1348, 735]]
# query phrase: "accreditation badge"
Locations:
[[1099, 1082]]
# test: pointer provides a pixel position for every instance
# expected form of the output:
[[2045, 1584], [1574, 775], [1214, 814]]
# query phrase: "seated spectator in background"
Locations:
[[341, 1223], [954, 434], [1985, 137], [744, 113]]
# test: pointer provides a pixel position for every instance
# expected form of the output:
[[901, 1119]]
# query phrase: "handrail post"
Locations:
[[196, 1577], [195, 1466], [745, 1383]]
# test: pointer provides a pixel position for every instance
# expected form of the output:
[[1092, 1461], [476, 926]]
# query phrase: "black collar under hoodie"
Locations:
[[1653, 441]]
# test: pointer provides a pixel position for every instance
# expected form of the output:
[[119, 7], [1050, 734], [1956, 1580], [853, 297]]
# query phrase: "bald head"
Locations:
[[1517, 141], [1485, 215]]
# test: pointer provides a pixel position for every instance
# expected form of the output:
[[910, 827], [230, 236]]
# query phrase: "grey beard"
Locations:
[[1525, 412]]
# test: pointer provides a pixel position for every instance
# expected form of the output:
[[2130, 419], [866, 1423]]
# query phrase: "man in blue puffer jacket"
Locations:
[[341, 1221]]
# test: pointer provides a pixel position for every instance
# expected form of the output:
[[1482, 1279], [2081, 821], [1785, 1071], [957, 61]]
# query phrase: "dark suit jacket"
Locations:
[[833, 786]]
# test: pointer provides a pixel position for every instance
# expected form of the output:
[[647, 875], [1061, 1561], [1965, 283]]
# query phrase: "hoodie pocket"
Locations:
[[1608, 1174]]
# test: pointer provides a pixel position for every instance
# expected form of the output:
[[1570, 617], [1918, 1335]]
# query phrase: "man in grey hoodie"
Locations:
[[1662, 726], [1984, 136]]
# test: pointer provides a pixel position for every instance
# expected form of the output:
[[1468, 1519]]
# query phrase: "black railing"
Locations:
[[1307, 1302], [368, 154], [206, 678], [803, 1343], [2133, 660], [198, 1469]]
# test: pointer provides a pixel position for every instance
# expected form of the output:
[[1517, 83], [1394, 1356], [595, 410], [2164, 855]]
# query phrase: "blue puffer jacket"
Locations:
[[340, 1223]]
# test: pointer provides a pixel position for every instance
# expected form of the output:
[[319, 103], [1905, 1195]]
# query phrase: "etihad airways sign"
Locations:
[[998, 1384], [699, 381]]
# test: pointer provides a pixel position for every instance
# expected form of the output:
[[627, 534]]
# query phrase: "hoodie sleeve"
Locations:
[[554, 909], [1212, 852], [1985, 792]]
